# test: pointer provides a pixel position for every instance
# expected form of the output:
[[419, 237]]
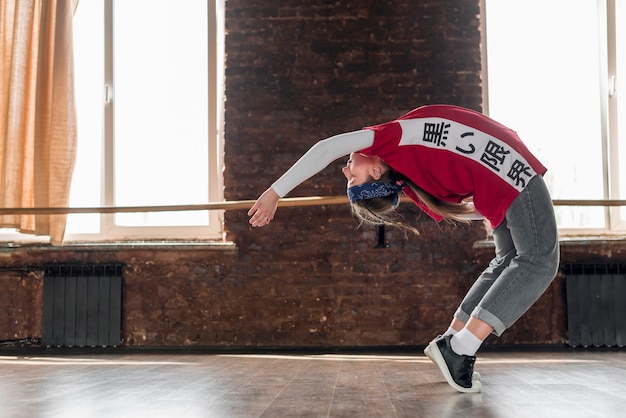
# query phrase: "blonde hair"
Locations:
[[381, 210]]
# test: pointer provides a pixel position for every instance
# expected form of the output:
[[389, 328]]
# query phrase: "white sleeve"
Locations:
[[320, 155]]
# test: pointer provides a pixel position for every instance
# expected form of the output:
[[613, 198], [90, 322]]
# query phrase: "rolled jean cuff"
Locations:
[[490, 319], [462, 316]]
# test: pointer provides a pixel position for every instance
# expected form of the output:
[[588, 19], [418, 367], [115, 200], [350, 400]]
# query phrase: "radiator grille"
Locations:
[[596, 304], [82, 305]]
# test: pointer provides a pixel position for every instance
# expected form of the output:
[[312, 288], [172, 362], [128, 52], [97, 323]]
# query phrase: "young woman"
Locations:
[[441, 156]]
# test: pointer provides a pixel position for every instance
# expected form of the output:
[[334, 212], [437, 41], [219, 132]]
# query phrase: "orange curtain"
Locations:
[[37, 112]]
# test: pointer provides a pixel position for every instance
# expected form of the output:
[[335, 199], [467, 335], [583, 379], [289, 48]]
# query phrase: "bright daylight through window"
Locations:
[[148, 117], [552, 77]]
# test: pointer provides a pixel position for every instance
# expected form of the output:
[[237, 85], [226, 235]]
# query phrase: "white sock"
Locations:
[[465, 343], [450, 331]]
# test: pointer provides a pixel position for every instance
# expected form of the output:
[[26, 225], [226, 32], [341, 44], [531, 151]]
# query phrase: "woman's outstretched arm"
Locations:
[[318, 157]]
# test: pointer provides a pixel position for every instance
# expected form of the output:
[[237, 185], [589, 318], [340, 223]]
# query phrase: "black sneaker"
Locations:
[[428, 351], [458, 370]]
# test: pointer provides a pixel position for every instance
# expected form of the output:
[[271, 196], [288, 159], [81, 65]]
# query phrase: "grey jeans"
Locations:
[[525, 263]]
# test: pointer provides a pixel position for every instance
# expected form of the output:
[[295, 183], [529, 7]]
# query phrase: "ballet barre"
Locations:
[[247, 204]]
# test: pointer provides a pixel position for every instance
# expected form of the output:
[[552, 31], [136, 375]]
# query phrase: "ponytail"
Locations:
[[380, 210]]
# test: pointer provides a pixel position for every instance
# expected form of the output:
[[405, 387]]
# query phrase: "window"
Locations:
[[150, 102], [552, 76], [149, 115]]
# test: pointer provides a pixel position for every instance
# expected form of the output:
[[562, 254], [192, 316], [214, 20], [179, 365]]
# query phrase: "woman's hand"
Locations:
[[264, 208]]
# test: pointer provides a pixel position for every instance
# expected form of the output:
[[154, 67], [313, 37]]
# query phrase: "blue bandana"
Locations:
[[372, 190]]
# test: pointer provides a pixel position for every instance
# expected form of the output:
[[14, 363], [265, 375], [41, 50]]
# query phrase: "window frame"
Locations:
[[214, 229], [606, 15]]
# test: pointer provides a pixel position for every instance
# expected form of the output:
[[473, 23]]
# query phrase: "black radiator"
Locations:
[[596, 304], [82, 305]]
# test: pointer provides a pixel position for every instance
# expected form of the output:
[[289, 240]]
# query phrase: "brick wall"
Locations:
[[299, 71], [302, 71], [307, 70]]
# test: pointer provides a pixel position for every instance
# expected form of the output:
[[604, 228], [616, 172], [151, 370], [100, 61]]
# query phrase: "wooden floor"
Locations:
[[552, 384]]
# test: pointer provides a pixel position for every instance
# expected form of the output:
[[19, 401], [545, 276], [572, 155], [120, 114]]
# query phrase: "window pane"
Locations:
[[161, 109], [89, 78], [544, 83]]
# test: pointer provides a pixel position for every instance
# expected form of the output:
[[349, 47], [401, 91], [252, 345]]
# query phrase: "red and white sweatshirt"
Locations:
[[451, 152]]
